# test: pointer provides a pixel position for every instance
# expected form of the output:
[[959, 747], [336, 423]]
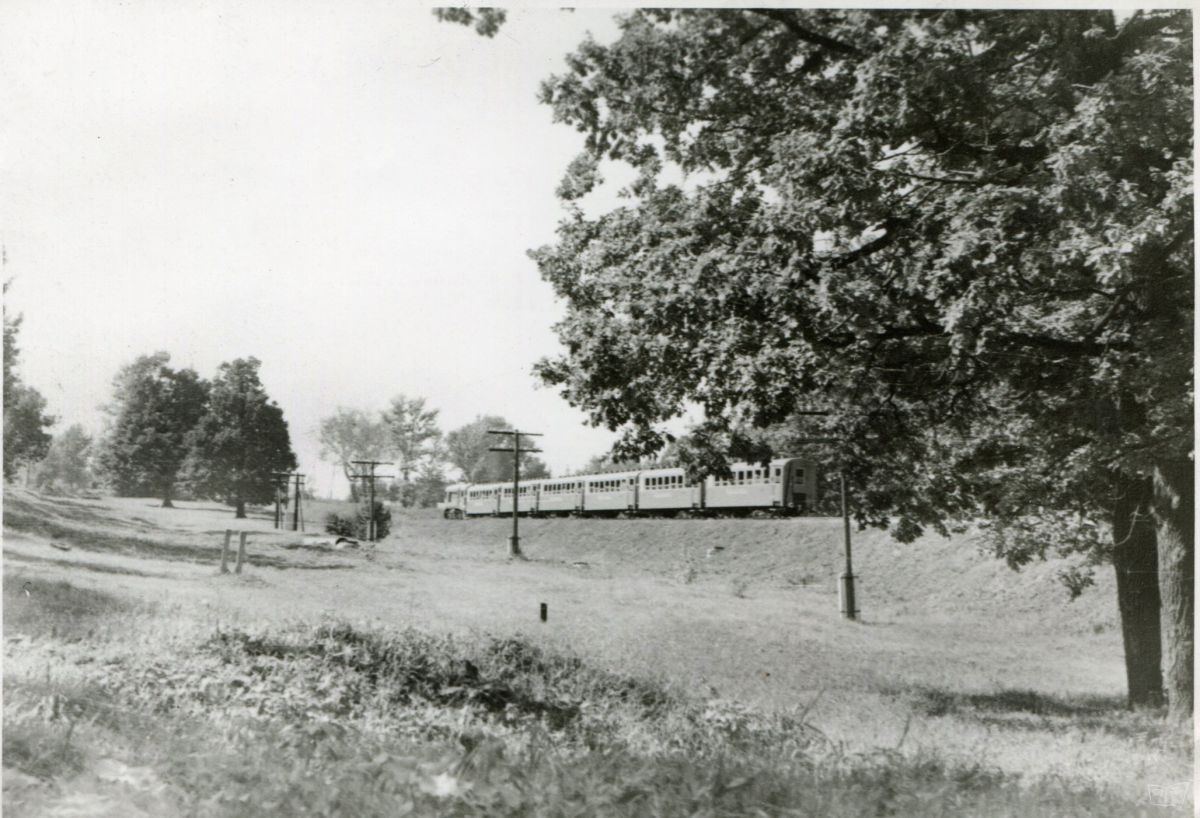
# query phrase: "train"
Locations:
[[785, 486]]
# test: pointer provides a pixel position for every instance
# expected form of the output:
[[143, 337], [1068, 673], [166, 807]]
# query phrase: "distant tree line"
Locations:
[[407, 435], [26, 440]]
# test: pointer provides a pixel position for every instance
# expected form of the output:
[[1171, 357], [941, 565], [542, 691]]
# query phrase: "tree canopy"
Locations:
[[467, 450], [67, 465], [25, 420], [353, 434], [241, 440], [154, 408], [414, 433]]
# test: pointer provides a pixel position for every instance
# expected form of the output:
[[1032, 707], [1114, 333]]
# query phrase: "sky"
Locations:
[[345, 191]]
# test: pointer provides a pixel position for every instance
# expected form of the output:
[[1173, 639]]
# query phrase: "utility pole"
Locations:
[[369, 478], [282, 479], [846, 580], [514, 542], [297, 520]]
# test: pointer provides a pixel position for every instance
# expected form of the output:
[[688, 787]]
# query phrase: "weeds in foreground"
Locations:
[[335, 719]]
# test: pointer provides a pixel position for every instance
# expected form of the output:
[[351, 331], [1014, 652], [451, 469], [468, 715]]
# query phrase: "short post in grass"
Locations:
[[241, 555], [544, 612], [225, 551]]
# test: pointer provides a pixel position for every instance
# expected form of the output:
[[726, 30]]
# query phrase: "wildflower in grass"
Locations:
[[445, 785]]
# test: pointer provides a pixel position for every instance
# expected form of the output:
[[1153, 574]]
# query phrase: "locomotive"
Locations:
[[784, 486]]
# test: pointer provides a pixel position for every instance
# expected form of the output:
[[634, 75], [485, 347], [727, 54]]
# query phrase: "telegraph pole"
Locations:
[[282, 479], [846, 580], [369, 478], [297, 520], [514, 542]]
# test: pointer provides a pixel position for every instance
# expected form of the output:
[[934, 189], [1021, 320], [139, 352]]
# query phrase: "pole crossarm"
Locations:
[[371, 476], [514, 542]]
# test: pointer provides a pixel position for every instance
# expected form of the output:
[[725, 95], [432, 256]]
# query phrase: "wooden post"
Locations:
[[241, 555], [225, 551], [545, 611], [296, 506]]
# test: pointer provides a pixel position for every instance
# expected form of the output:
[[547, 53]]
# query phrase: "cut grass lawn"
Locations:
[[912, 712]]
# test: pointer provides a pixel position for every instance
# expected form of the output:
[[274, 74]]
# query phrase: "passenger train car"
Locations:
[[785, 486]]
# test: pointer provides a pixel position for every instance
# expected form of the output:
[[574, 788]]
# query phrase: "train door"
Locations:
[[796, 485]]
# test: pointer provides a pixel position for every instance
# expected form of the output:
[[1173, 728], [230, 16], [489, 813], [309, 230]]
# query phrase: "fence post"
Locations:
[[225, 552], [241, 552]]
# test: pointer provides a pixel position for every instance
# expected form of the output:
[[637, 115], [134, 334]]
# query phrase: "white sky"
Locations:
[[345, 191]]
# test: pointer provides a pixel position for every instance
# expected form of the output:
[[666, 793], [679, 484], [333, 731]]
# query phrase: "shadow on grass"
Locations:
[[36, 606], [112, 543], [21, 510], [1027, 710], [937, 702]]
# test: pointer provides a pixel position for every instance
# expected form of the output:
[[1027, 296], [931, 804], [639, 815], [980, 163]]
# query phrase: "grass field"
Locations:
[[687, 667]]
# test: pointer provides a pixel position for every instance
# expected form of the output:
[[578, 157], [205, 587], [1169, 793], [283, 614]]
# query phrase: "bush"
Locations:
[[344, 525], [341, 525], [383, 521]]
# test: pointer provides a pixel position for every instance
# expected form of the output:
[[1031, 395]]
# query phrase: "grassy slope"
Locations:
[[1016, 678]]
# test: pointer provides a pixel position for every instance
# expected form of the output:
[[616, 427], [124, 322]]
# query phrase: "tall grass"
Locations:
[[337, 719]]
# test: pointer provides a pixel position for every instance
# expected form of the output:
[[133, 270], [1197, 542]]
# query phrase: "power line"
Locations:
[[514, 542], [369, 478]]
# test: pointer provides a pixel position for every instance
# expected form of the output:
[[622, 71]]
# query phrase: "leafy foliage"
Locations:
[[940, 225], [467, 450], [154, 409], [25, 420], [356, 525], [67, 465], [353, 434], [414, 433], [429, 485], [241, 440], [486, 21]]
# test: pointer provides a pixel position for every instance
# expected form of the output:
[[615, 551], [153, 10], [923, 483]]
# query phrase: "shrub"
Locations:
[[341, 525], [383, 521], [345, 525]]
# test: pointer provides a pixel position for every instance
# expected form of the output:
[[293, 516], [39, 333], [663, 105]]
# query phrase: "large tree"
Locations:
[[966, 234], [154, 408], [25, 420], [353, 434], [241, 441], [467, 450]]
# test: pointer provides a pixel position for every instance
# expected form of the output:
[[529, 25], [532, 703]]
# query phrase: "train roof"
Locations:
[[616, 475]]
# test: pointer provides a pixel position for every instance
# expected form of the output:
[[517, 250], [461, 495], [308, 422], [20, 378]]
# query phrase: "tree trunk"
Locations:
[[166, 493], [1135, 558], [241, 509], [1174, 515]]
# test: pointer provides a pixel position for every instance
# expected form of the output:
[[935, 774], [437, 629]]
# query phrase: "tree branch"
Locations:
[[798, 31]]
